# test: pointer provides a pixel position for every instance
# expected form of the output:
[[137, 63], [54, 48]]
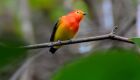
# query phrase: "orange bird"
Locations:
[[66, 27]]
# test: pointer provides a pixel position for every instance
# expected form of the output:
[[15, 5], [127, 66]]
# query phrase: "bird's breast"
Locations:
[[70, 23], [73, 25]]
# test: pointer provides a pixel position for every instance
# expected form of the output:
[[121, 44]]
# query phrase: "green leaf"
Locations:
[[9, 53], [136, 40], [11, 57], [113, 64], [10, 60]]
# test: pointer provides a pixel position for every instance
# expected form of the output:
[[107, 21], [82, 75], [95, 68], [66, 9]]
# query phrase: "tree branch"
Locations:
[[80, 40]]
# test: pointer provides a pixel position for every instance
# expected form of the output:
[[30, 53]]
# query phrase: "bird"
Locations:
[[66, 27]]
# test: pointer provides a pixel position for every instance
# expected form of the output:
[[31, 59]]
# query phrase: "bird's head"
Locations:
[[78, 14]]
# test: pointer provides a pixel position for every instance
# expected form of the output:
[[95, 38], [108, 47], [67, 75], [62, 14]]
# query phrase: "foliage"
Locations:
[[136, 40], [11, 57], [42, 4], [81, 5], [113, 64], [9, 53]]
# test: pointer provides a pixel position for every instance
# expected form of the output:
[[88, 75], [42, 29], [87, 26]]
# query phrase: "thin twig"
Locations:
[[114, 30], [80, 40]]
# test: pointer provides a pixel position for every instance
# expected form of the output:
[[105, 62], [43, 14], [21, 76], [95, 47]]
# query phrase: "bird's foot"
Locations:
[[51, 44], [59, 41], [70, 40]]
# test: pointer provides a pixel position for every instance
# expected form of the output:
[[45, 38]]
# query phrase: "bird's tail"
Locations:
[[53, 50]]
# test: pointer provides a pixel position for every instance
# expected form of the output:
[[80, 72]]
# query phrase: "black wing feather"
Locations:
[[54, 31], [52, 49]]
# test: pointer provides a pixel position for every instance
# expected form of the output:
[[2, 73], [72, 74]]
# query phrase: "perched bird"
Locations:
[[66, 27]]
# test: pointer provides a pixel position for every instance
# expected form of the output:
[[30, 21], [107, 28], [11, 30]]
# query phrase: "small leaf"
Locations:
[[136, 40]]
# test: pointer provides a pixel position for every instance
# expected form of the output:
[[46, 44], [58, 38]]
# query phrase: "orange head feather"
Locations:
[[78, 14]]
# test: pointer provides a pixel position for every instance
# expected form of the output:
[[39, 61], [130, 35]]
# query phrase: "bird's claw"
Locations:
[[59, 41], [70, 40], [51, 44]]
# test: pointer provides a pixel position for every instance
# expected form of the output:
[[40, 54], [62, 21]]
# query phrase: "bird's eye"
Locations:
[[77, 12]]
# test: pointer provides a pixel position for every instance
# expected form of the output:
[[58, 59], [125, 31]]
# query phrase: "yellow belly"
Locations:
[[64, 33]]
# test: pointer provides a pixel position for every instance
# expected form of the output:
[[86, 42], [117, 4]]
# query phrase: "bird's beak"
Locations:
[[85, 14]]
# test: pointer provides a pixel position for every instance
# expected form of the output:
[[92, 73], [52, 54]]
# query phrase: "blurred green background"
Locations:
[[113, 64], [25, 22]]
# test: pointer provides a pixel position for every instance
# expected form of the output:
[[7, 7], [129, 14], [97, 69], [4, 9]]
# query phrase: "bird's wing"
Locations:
[[54, 30]]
